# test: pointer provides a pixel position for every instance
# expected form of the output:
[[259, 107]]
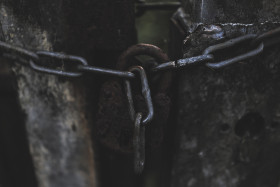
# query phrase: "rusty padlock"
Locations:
[[114, 127]]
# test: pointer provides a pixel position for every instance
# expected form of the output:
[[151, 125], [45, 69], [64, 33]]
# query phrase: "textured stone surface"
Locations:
[[59, 111], [58, 133], [228, 119], [238, 11]]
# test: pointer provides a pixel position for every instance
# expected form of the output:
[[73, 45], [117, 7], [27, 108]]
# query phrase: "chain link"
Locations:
[[229, 44], [18, 50], [145, 92], [61, 57], [269, 38]]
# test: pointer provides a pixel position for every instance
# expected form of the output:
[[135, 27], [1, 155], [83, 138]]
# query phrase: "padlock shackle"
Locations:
[[141, 49], [148, 50]]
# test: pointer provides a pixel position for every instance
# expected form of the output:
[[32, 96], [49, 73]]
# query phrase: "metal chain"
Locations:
[[34, 61], [139, 123], [75, 66], [255, 43]]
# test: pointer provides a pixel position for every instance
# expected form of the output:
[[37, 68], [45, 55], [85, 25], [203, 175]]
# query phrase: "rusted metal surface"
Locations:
[[141, 49], [148, 50], [114, 127]]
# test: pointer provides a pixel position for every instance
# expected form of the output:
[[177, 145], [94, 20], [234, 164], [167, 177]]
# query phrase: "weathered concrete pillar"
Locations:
[[228, 120], [59, 111], [58, 134], [15, 159]]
